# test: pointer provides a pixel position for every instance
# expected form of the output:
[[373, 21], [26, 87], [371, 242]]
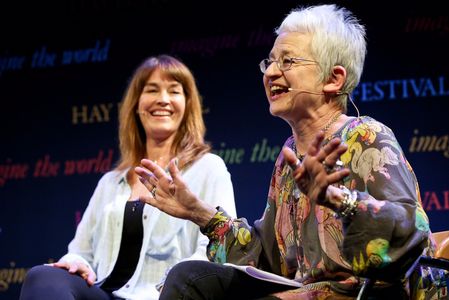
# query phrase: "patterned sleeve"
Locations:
[[390, 229], [235, 241]]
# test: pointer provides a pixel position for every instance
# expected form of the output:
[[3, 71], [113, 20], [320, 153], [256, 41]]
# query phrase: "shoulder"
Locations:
[[209, 160], [365, 127], [364, 121], [290, 142], [207, 166], [366, 132], [113, 176], [280, 161], [109, 186]]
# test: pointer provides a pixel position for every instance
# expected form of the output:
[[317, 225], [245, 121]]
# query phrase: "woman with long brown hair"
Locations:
[[122, 247]]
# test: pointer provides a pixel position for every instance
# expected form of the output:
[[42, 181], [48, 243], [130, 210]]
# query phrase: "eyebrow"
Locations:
[[283, 53], [170, 85]]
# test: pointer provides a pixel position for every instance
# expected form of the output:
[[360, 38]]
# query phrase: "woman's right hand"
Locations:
[[317, 175], [77, 268], [170, 194]]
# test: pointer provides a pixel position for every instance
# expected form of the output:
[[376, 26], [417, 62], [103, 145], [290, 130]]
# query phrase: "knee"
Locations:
[[191, 270], [190, 280], [43, 276], [35, 281], [187, 268], [45, 282], [36, 273]]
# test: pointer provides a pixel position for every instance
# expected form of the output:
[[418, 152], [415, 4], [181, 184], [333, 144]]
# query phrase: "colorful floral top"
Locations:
[[306, 242]]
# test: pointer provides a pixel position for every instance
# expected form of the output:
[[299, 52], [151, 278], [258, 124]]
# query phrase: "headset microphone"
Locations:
[[304, 91], [339, 93]]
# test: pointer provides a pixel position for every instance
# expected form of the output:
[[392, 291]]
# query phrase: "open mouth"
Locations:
[[161, 113], [277, 90]]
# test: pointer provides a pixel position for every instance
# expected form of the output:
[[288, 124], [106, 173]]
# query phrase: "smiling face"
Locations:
[[302, 78], [161, 106]]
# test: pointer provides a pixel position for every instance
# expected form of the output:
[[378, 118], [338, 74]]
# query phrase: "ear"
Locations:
[[336, 80]]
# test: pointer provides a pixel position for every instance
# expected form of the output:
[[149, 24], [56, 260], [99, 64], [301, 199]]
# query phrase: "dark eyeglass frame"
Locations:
[[284, 63]]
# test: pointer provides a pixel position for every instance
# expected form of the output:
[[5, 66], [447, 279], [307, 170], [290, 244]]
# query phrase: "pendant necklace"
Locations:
[[293, 206]]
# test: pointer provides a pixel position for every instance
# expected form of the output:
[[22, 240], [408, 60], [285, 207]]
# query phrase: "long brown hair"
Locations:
[[189, 144]]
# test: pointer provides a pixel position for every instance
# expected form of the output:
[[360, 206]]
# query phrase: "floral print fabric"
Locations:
[[306, 242]]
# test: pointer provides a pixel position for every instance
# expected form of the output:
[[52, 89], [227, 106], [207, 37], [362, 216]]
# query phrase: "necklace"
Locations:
[[324, 130], [135, 205], [331, 122], [293, 208]]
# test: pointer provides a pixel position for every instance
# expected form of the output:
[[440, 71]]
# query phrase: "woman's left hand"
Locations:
[[318, 171]]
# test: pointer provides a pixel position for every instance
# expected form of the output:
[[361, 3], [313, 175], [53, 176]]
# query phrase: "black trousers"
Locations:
[[201, 280], [46, 282]]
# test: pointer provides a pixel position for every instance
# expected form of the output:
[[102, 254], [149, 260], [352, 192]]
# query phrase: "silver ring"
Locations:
[[337, 167], [329, 169], [153, 191]]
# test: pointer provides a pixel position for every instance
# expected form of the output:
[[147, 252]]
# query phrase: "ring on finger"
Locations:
[[336, 167], [328, 168], [153, 191]]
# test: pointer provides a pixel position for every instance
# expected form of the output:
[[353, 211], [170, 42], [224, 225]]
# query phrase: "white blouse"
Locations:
[[166, 240]]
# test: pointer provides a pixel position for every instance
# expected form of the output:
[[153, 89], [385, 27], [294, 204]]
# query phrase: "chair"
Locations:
[[442, 240], [440, 261]]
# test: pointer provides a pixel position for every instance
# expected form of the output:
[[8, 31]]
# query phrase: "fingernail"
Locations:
[[176, 161]]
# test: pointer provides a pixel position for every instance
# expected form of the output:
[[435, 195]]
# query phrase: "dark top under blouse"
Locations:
[[130, 246]]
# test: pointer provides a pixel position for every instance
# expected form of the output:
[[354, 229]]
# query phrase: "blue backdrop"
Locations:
[[62, 76]]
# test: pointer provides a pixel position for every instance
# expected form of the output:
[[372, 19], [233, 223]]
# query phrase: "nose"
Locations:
[[273, 70], [164, 98]]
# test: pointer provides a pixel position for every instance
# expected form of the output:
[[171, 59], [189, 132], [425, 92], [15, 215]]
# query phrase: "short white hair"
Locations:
[[338, 38]]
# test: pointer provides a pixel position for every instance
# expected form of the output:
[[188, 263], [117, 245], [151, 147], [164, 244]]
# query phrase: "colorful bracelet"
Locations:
[[349, 204]]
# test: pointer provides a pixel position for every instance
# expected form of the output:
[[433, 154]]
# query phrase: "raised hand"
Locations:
[[77, 268], [318, 171], [170, 194]]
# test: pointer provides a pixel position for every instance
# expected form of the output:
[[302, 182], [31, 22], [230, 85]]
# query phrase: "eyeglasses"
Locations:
[[284, 63]]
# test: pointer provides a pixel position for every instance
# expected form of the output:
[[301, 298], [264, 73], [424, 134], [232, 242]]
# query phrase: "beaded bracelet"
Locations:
[[349, 203]]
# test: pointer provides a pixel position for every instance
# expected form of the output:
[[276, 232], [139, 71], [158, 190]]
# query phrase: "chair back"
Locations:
[[439, 261], [442, 240]]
